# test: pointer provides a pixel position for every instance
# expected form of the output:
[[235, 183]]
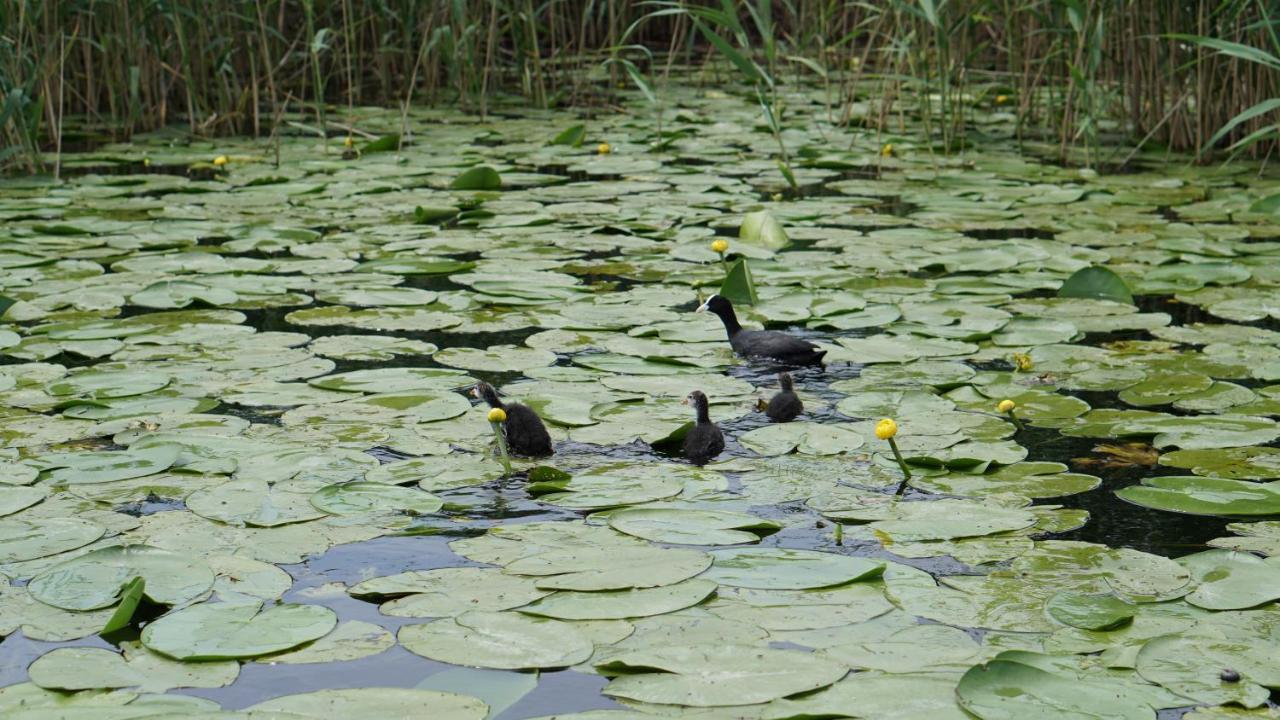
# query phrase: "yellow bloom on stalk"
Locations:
[[146, 161], [1002, 99], [720, 246], [220, 161], [604, 149], [886, 429], [497, 415], [1022, 362], [1006, 406], [349, 142], [887, 150]]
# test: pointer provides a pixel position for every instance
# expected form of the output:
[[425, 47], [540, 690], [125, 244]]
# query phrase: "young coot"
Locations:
[[704, 441], [525, 433], [762, 343], [786, 405]]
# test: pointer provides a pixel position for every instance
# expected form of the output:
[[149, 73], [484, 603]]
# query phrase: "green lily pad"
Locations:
[[716, 675], [253, 502], [1002, 690], [27, 540], [610, 568], [1244, 463], [787, 569], [1196, 495], [86, 668], [94, 580], [236, 630], [692, 526], [501, 640], [1097, 283], [1192, 666], [353, 498], [621, 604], [807, 438], [101, 467], [364, 703], [1090, 612], [1229, 580]]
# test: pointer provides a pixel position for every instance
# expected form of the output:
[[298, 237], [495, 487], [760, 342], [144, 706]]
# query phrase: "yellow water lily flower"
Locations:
[[887, 150], [720, 246], [221, 160], [497, 415], [1002, 99], [604, 149], [1006, 406], [886, 429], [1022, 362], [349, 142]]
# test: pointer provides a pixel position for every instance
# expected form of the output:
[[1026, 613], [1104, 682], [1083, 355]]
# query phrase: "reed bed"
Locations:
[[1188, 75]]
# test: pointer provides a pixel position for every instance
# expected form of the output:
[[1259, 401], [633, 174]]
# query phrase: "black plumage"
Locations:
[[704, 441], [523, 429], [762, 343], [786, 405]]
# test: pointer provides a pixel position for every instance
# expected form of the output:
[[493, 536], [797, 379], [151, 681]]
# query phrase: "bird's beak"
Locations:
[[684, 401], [703, 307], [474, 393]]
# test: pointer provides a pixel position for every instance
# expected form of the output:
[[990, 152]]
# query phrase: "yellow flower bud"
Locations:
[[349, 142], [720, 246], [146, 162], [1022, 362], [604, 149], [1002, 99], [887, 150], [886, 429], [1006, 406], [220, 161], [497, 415]]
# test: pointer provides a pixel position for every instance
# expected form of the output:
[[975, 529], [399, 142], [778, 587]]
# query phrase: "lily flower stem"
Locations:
[[502, 447], [906, 474], [724, 265], [1017, 421]]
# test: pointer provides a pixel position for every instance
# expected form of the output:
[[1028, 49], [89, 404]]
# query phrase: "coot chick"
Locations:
[[525, 433], [786, 405], [762, 343], [704, 441]]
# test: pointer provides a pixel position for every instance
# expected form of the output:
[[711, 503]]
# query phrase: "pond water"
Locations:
[[246, 385]]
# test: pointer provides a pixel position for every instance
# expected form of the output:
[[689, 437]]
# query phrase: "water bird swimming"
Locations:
[[786, 405], [704, 441], [523, 429], [762, 343]]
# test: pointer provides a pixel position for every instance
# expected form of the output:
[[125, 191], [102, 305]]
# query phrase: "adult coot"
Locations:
[[525, 433], [762, 343], [704, 441], [786, 405]]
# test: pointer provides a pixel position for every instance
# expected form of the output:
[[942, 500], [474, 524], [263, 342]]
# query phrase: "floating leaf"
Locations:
[[480, 177], [508, 641], [1097, 283], [714, 675], [236, 630]]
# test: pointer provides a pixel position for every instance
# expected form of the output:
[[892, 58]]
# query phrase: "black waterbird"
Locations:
[[762, 343], [525, 433], [786, 405], [704, 440]]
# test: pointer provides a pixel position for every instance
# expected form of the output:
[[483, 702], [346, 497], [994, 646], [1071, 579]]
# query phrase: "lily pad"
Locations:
[[787, 569], [94, 580], [716, 675], [236, 630], [500, 640], [692, 526]]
